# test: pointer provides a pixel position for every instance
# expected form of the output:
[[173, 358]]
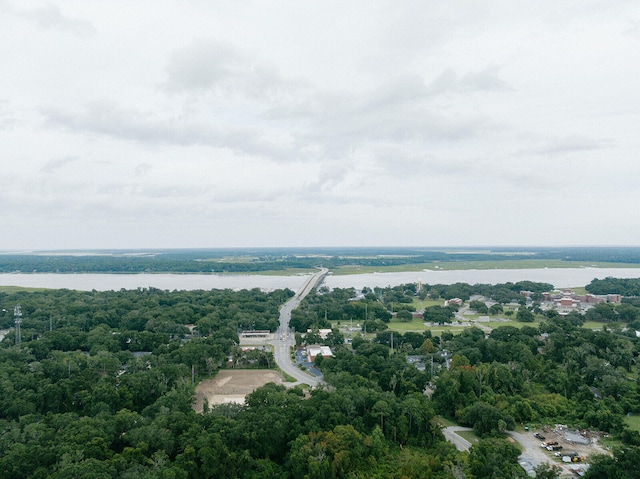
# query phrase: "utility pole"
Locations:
[[17, 314]]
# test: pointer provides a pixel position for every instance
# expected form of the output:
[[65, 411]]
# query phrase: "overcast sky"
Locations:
[[158, 123]]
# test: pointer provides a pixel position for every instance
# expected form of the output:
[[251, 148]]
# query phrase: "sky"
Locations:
[[202, 123]]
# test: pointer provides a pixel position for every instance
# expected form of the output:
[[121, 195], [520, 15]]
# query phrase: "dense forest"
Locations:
[[100, 386], [623, 286], [261, 259]]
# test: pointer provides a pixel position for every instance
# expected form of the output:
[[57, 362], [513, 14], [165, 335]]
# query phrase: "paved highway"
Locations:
[[451, 435], [284, 341]]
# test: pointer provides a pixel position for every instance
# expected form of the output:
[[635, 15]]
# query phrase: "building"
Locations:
[[314, 350], [566, 301], [322, 332], [453, 302]]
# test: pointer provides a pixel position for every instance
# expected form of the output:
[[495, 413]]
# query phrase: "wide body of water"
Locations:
[[559, 277]]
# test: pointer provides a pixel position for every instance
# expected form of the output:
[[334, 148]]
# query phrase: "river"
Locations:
[[559, 277]]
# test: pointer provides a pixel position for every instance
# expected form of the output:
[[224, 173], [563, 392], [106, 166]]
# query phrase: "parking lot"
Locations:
[[572, 442], [302, 360]]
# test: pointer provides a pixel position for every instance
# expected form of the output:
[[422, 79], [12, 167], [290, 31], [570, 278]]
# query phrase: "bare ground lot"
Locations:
[[232, 385], [536, 454]]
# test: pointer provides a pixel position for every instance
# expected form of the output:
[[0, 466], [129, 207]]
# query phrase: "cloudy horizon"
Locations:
[[188, 124]]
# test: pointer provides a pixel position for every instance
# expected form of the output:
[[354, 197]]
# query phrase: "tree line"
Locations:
[[279, 259]]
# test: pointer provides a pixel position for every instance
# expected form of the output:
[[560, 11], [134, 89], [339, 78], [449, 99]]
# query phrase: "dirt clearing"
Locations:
[[232, 385], [582, 444]]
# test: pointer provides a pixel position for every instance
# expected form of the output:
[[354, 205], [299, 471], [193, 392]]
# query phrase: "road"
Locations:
[[284, 340], [451, 435]]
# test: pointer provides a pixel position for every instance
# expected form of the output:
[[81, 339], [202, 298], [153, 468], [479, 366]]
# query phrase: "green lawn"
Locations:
[[511, 322], [443, 421], [417, 324], [287, 378], [581, 291], [469, 436], [633, 422], [598, 325], [424, 303], [438, 330]]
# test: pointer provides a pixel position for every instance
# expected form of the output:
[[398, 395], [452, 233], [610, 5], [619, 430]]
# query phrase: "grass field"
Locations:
[[282, 272], [511, 322], [469, 436], [465, 265], [524, 264], [595, 325], [633, 422], [443, 421], [424, 303], [417, 324], [581, 291], [13, 289], [357, 269]]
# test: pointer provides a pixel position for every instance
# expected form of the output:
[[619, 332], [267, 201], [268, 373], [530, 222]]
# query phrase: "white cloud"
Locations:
[[222, 68], [49, 17], [318, 123], [53, 165], [118, 123]]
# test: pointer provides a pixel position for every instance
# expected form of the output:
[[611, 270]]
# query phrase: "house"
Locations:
[[454, 301]]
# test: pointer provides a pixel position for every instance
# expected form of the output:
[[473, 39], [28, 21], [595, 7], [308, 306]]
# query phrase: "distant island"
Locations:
[[296, 260]]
